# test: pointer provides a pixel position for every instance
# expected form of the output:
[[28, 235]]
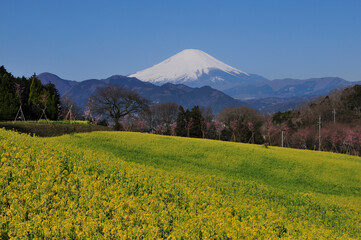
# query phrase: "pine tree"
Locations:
[[2, 71], [197, 121], [32, 91], [34, 101], [8, 100], [25, 86], [36, 90], [181, 125], [53, 101]]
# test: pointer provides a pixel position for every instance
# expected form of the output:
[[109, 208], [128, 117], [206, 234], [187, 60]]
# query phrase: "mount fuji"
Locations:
[[196, 68]]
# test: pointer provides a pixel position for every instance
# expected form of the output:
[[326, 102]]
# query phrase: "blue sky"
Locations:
[[96, 39]]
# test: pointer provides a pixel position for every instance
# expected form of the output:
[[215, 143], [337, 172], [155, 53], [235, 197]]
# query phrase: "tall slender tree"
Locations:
[[53, 101], [8, 100], [36, 90], [180, 130], [196, 129]]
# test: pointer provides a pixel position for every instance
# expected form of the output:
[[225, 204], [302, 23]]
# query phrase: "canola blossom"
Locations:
[[59, 122], [119, 185]]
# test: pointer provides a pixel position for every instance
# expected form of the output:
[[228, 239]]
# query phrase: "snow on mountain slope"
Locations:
[[186, 66]]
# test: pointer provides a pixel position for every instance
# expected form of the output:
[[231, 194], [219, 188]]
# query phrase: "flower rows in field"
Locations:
[[51, 190], [58, 121]]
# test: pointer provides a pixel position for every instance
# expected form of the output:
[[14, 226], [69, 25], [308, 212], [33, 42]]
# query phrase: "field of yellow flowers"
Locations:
[[121, 185]]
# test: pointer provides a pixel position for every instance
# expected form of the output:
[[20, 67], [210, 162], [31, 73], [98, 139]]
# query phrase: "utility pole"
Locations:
[[282, 138], [319, 133], [334, 116]]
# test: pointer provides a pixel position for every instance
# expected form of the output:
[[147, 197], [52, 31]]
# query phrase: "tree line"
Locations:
[[129, 111], [27, 98], [329, 123]]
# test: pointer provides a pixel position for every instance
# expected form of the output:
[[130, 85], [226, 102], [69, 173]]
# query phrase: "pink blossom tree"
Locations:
[[251, 129], [219, 126], [173, 128], [234, 127]]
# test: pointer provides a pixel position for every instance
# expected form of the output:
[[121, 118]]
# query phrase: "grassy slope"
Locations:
[[288, 169], [55, 128], [326, 186], [184, 187]]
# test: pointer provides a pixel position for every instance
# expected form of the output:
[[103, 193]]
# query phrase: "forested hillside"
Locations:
[[331, 123]]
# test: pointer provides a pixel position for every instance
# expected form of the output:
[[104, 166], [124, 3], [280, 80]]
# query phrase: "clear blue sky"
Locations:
[[81, 39]]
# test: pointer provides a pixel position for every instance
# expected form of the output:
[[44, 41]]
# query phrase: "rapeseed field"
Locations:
[[121, 185]]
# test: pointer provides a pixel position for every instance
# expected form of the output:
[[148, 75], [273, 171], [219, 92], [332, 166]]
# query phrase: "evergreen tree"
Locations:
[[36, 90], [34, 101], [8, 100], [25, 87], [189, 123], [197, 121], [53, 101], [31, 93], [2, 71], [181, 125], [352, 98]]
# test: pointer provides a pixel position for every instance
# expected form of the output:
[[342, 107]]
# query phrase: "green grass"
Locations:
[[58, 121], [289, 169], [325, 186], [55, 128], [188, 188]]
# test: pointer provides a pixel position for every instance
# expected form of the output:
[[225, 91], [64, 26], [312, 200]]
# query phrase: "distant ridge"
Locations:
[[196, 68], [178, 93], [277, 95], [173, 78], [61, 84]]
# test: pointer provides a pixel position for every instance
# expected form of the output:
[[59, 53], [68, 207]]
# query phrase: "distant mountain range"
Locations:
[[181, 94], [193, 77], [196, 68]]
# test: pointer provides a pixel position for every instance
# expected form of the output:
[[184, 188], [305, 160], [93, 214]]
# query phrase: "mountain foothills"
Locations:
[[181, 94], [193, 77]]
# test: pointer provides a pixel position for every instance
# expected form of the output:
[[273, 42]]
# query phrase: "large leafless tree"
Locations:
[[162, 114], [115, 102]]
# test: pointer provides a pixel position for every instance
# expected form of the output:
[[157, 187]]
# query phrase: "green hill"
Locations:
[[132, 185]]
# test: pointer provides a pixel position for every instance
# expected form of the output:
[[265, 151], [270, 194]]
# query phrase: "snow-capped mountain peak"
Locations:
[[186, 66]]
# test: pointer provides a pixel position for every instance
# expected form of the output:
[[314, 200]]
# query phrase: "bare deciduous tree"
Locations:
[[166, 113], [116, 102], [44, 102], [161, 115], [69, 110]]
